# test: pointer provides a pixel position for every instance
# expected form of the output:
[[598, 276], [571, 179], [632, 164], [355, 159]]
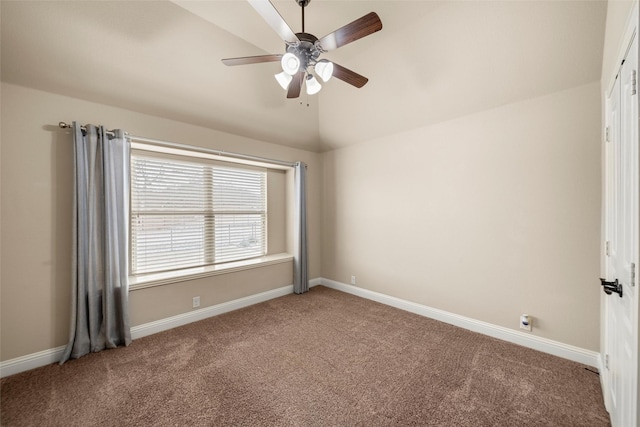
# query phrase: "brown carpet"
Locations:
[[324, 358]]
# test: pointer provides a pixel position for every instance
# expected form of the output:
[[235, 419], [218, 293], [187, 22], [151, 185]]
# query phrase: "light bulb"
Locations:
[[313, 86], [284, 79], [290, 63], [324, 69]]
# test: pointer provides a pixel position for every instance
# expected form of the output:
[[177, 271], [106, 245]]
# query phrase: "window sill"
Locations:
[[165, 278]]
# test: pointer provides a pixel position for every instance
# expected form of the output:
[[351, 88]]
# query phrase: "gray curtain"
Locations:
[[300, 274], [99, 313]]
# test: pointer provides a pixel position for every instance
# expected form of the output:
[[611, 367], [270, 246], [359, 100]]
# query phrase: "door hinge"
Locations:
[[634, 89], [606, 134], [606, 361], [606, 248], [633, 274]]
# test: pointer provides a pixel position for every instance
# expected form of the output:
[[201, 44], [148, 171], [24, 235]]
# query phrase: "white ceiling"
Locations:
[[432, 61]]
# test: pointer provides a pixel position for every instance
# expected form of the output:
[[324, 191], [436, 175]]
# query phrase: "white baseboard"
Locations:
[[53, 355], [31, 361], [587, 357], [315, 282], [204, 313], [566, 351]]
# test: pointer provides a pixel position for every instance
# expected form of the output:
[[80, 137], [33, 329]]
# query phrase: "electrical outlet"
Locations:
[[525, 322], [196, 302], [353, 280]]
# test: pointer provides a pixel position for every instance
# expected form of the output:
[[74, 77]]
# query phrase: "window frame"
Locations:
[[142, 279]]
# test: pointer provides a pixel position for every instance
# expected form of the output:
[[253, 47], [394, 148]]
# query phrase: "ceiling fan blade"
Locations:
[[348, 76], [270, 14], [251, 59], [356, 30], [295, 85]]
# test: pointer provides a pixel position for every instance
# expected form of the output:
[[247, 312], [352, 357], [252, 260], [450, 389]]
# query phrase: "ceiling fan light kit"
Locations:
[[324, 69], [284, 79], [313, 85], [304, 49], [290, 63]]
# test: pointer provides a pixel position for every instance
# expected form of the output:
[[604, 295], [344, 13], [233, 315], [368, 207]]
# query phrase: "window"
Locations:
[[194, 213]]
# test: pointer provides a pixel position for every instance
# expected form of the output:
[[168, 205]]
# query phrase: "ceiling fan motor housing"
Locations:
[[307, 50]]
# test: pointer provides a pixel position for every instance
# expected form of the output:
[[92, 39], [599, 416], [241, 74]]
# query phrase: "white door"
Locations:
[[620, 376]]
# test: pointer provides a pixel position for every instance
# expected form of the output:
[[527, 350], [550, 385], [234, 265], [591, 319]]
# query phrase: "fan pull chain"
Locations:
[[308, 105]]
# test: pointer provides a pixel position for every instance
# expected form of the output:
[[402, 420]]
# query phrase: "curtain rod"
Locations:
[[64, 125], [177, 145]]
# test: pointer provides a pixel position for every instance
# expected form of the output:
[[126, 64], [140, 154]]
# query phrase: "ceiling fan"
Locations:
[[304, 49]]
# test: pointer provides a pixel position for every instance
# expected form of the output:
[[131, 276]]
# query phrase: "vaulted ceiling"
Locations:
[[432, 61]]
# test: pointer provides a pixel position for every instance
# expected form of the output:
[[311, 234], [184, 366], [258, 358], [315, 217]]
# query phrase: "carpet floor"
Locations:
[[324, 358]]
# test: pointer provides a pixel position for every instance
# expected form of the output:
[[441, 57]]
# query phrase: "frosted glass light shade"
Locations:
[[324, 69], [290, 63], [284, 79], [313, 86]]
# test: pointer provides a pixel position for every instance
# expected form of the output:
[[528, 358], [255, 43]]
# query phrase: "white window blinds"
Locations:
[[189, 214]]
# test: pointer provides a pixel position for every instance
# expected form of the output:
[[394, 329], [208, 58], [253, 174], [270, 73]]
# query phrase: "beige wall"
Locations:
[[160, 302], [36, 197], [487, 216]]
